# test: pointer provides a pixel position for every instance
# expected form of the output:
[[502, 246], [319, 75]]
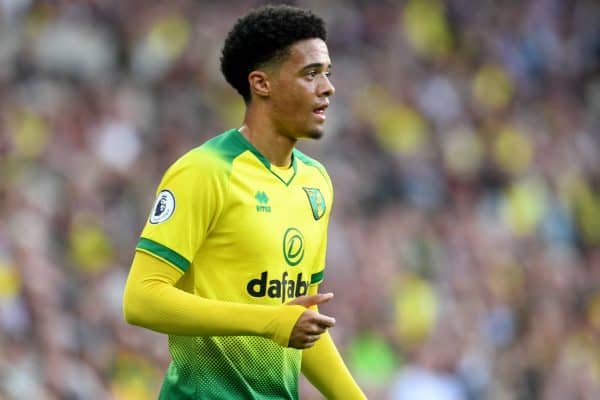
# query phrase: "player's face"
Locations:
[[301, 89]]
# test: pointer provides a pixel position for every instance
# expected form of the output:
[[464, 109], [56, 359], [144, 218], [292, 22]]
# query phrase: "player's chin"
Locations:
[[315, 133]]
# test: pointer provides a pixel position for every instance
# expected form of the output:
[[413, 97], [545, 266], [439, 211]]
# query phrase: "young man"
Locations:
[[229, 262]]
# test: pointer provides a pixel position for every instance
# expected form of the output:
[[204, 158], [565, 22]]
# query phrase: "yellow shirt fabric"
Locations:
[[238, 233]]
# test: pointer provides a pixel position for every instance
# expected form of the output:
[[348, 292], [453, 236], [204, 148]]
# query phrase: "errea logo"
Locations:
[[263, 202]]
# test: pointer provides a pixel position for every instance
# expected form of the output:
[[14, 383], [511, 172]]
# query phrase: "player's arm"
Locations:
[[324, 367], [322, 364], [152, 301]]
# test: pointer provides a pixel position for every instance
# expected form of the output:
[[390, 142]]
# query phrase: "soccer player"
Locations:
[[232, 255]]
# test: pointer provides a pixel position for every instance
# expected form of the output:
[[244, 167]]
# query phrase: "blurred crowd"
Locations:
[[463, 144]]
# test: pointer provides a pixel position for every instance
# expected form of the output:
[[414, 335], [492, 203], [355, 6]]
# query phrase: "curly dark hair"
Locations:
[[264, 35]]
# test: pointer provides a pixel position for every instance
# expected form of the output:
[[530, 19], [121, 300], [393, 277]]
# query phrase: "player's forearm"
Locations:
[[325, 369], [151, 301]]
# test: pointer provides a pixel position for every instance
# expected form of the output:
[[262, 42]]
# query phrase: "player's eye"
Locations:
[[312, 73]]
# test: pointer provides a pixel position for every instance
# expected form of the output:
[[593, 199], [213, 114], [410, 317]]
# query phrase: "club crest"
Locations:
[[317, 202]]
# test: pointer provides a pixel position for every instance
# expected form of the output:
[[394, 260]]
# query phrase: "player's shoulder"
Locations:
[[311, 162], [319, 170], [227, 146], [213, 156]]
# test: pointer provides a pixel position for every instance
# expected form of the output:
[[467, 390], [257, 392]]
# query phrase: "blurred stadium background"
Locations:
[[463, 142]]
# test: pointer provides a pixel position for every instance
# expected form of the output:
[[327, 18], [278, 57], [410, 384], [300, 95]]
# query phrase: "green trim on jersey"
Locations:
[[310, 162], [164, 252], [229, 145], [232, 143], [293, 175], [316, 278]]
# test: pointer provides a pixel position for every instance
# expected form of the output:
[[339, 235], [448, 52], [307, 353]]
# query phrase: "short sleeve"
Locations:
[[188, 201]]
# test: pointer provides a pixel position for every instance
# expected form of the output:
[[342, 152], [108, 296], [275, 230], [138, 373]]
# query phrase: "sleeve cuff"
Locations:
[[163, 252], [317, 277], [282, 326]]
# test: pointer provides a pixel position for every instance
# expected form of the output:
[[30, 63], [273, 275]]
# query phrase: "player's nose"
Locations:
[[326, 88]]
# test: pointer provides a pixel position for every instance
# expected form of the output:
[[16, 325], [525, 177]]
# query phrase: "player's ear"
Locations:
[[259, 83]]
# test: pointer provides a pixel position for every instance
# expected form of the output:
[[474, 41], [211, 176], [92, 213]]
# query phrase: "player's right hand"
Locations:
[[311, 324]]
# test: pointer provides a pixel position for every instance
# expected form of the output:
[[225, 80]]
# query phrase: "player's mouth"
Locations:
[[319, 112]]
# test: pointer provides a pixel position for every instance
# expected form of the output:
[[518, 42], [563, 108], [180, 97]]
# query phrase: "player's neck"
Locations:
[[277, 148]]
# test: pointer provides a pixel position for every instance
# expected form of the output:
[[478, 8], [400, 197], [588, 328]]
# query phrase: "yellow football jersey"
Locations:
[[240, 231]]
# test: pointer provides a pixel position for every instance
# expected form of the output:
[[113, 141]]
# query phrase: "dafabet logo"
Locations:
[[282, 287]]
